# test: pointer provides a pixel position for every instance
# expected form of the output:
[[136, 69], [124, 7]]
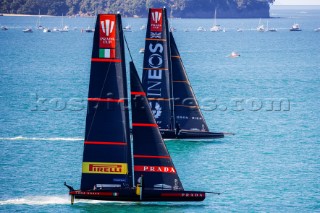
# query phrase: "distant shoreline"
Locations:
[[27, 15], [11, 14], [272, 8]]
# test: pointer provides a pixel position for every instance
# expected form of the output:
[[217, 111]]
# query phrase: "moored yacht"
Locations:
[[216, 27], [201, 29], [260, 27], [46, 30], [295, 27], [27, 30]]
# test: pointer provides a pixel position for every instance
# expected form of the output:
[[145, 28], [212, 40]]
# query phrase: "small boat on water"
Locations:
[[260, 27], [143, 27], [166, 83], [39, 26], [317, 29], [216, 27], [27, 30], [4, 28], [88, 30], [173, 29], [141, 50], [46, 30], [116, 166], [270, 29], [65, 29], [127, 28], [201, 29], [234, 54], [295, 27]]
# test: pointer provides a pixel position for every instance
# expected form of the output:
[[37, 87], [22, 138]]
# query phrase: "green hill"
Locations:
[[177, 8]]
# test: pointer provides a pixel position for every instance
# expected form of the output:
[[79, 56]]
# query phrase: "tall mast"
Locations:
[[170, 69]]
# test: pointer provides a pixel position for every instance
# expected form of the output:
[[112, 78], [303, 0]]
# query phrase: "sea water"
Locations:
[[268, 97]]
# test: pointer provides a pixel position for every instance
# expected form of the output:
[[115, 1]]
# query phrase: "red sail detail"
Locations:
[[138, 93], [106, 100], [107, 31], [156, 20], [105, 143], [105, 60], [144, 125], [163, 169]]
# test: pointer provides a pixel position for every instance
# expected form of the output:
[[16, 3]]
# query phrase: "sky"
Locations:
[[297, 2]]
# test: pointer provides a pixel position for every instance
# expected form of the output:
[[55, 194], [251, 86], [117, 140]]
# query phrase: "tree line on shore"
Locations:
[[139, 8]]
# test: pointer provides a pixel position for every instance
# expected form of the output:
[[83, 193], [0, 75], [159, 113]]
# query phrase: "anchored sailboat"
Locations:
[[112, 169], [39, 26], [168, 89], [216, 27]]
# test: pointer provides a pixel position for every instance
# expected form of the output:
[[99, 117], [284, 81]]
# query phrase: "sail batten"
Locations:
[[138, 93], [106, 100], [155, 39], [105, 60]]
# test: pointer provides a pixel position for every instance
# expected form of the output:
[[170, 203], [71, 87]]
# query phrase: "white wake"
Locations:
[[37, 200], [21, 138], [52, 200]]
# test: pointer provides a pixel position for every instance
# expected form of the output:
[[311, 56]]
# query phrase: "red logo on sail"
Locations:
[[164, 169], [156, 20], [107, 31]]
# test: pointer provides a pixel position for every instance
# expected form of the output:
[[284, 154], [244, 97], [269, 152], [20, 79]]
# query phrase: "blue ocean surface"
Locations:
[[268, 97]]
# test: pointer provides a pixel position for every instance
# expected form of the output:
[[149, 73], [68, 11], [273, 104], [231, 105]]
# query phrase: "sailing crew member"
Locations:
[[69, 187], [177, 128], [139, 185]]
